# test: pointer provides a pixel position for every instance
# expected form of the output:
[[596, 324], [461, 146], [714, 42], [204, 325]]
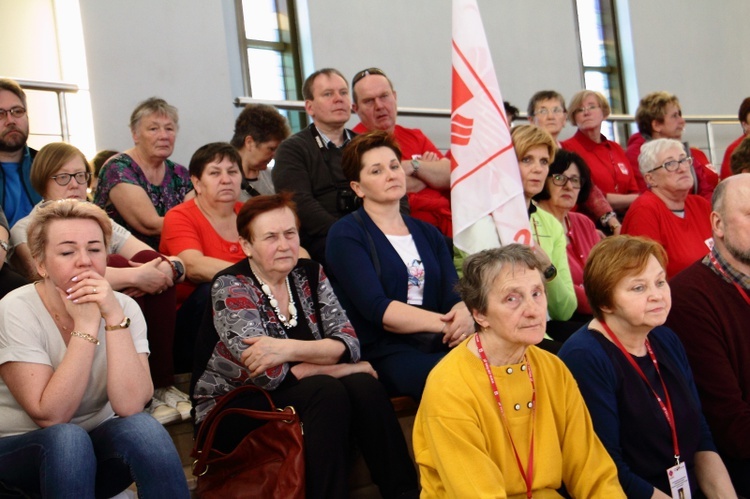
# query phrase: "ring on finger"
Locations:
[[94, 290]]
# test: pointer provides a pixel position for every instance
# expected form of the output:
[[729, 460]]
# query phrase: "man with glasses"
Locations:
[[710, 305], [16, 194], [659, 116], [427, 170]]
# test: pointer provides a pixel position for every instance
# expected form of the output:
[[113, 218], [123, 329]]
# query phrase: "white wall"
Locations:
[[186, 51], [175, 49]]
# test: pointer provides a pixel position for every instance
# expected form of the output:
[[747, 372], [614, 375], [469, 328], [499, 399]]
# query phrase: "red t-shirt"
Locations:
[[684, 239], [610, 168], [185, 228]]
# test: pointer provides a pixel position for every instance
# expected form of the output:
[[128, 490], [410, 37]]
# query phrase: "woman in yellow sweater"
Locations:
[[500, 417]]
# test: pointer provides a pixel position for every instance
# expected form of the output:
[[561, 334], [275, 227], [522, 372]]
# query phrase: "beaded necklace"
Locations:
[[292, 322]]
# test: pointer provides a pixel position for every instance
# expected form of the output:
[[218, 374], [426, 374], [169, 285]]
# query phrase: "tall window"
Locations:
[[270, 59], [600, 55]]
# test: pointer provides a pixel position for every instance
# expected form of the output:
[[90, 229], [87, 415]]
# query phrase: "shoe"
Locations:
[[176, 400], [162, 412]]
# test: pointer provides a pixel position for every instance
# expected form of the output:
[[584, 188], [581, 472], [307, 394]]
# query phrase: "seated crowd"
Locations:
[[607, 360]]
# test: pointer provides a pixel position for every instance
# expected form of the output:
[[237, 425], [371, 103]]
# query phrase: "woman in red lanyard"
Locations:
[[636, 380], [500, 417]]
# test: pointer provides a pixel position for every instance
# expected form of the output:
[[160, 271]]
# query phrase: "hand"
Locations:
[[616, 229], [89, 299], [132, 292], [430, 156], [264, 353], [151, 279], [459, 324]]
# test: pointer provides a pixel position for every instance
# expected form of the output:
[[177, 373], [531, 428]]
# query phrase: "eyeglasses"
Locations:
[[673, 165], [590, 109], [544, 111], [367, 72], [63, 179], [16, 112], [561, 180]]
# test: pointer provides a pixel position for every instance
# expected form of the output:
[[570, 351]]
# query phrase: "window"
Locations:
[[269, 54], [600, 55]]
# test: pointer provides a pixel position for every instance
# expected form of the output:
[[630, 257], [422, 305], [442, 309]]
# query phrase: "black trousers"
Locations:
[[335, 411], [10, 280]]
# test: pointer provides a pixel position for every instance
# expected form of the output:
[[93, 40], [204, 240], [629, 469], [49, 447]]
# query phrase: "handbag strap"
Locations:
[[204, 439]]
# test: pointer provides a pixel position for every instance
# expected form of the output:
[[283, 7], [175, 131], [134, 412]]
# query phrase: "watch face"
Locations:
[[550, 272]]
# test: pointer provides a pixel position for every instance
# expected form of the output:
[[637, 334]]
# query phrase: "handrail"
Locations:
[[60, 88], [708, 120]]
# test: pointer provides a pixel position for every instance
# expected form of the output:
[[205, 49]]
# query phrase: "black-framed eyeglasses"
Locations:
[[16, 112], [63, 179], [674, 164], [367, 72], [560, 180]]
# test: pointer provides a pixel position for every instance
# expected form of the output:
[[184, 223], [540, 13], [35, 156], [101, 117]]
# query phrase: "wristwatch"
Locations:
[[550, 272], [123, 325], [4, 245], [178, 269], [415, 165]]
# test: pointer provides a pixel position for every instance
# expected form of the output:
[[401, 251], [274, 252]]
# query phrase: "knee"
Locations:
[[328, 398], [67, 436]]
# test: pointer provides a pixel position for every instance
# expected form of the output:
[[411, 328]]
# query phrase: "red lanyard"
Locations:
[[733, 281], [666, 408], [528, 475]]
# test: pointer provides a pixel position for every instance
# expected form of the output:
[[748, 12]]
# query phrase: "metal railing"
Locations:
[[709, 121], [60, 89]]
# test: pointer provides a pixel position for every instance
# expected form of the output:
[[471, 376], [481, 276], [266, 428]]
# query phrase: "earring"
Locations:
[[42, 275]]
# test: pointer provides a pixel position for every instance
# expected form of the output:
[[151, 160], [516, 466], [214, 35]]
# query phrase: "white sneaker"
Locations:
[[177, 402], [162, 412]]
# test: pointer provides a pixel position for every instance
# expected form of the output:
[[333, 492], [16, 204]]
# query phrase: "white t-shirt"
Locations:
[[18, 233], [407, 250], [28, 333]]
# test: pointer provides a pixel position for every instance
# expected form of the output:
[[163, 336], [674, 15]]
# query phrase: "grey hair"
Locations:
[[481, 269], [153, 105], [650, 151]]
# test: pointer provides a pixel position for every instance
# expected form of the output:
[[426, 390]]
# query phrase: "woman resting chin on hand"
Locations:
[[74, 373]]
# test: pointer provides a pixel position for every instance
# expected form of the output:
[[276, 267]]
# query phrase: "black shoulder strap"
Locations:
[[373, 251]]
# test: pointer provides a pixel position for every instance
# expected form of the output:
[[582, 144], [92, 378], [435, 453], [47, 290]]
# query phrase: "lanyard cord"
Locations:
[[722, 272], [528, 474], [666, 408]]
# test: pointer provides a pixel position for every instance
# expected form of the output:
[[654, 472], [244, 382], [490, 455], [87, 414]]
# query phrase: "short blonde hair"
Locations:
[[63, 209], [526, 137], [577, 101]]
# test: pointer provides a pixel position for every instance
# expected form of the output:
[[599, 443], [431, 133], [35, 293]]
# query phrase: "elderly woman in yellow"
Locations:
[[500, 417]]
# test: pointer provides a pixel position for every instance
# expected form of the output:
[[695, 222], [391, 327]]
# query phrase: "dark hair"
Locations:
[[12, 86], [101, 157], [261, 122], [544, 95], [744, 110], [563, 159], [511, 112], [481, 269], [307, 92], [740, 158], [613, 259], [368, 72], [351, 161], [210, 152], [254, 207]]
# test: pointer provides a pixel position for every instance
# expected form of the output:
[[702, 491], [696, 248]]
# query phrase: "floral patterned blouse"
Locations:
[[123, 168]]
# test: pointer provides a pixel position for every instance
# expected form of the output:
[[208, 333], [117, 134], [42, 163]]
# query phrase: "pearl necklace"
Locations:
[[292, 322]]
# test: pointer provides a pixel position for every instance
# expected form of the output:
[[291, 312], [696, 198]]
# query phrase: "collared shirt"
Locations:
[[730, 274], [330, 144]]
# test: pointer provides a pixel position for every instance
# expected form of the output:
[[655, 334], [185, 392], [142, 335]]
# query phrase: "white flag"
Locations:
[[486, 189]]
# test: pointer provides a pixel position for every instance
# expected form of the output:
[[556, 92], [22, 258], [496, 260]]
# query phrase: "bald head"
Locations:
[[730, 221]]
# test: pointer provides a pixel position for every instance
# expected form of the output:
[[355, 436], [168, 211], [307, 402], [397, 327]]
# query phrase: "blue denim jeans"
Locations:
[[65, 461]]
